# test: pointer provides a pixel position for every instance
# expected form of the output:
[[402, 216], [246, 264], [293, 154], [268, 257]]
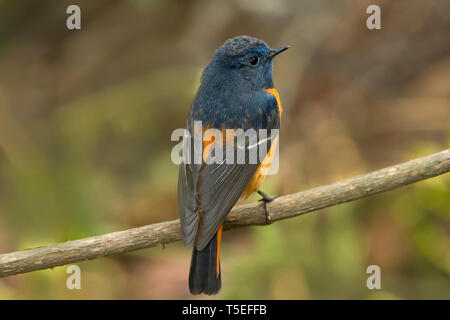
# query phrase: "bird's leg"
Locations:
[[266, 199]]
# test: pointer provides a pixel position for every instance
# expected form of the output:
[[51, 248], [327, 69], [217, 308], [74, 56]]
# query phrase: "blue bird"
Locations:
[[236, 92]]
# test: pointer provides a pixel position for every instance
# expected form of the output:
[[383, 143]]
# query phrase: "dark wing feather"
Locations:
[[220, 187], [187, 204]]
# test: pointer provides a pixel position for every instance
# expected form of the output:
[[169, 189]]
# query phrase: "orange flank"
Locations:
[[208, 140], [207, 145], [219, 240], [209, 136], [274, 92], [259, 176]]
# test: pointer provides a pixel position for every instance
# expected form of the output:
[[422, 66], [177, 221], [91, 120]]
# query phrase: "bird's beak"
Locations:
[[276, 51]]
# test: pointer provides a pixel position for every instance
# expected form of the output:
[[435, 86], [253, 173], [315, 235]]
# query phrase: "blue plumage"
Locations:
[[234, 94]]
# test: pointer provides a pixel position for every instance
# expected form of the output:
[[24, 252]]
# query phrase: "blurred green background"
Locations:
[[86, 118]]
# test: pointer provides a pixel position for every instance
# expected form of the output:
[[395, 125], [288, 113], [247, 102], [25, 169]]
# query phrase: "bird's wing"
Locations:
[[187, 204], [207, 192], [220, 187]]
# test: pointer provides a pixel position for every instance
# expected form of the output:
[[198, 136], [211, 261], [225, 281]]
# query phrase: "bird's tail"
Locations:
[[205, 275]]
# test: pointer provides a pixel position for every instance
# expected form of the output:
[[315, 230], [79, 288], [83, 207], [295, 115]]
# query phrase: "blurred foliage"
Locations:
[[86, 118]]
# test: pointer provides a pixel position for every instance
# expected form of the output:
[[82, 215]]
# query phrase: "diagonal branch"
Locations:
[[252, 214]]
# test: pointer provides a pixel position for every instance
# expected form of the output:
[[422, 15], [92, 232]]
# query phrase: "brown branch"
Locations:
[[252, 214]]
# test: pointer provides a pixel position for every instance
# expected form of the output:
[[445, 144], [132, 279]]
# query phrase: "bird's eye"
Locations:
[[254, 61]]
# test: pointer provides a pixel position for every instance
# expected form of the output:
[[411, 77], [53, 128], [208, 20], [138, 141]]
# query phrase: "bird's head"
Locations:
[[248, 58]]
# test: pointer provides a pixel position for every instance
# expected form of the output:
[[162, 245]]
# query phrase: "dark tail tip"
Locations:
[[203, 277]]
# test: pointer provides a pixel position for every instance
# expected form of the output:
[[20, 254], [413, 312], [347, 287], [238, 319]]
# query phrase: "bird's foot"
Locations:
[[266, 199]]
